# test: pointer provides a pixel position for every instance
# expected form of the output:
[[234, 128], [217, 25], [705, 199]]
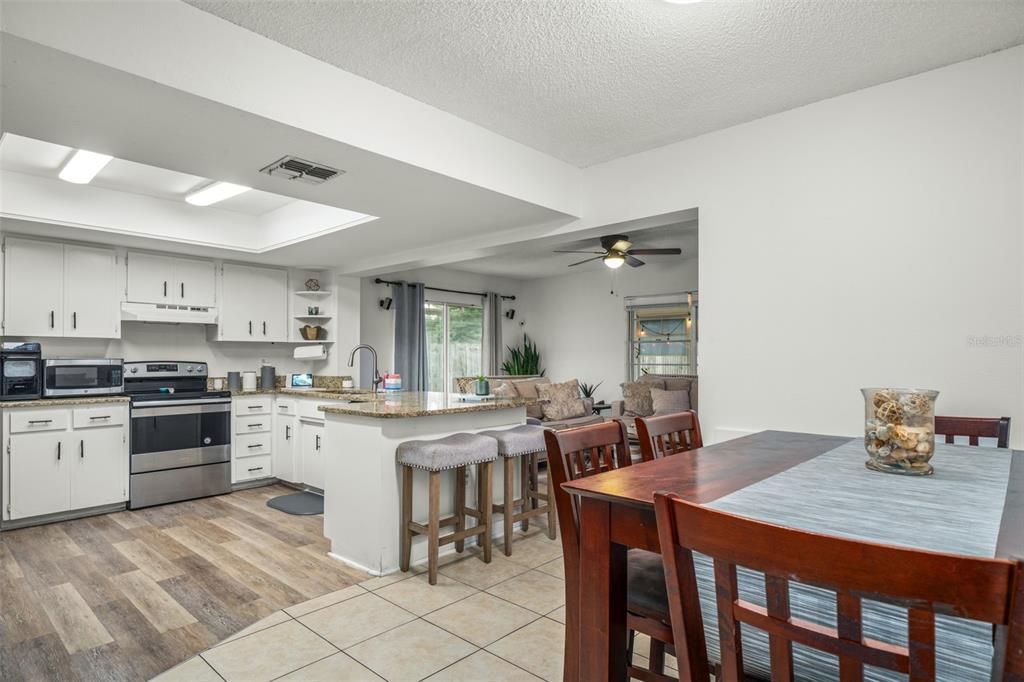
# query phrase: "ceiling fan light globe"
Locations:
[[614, 261]]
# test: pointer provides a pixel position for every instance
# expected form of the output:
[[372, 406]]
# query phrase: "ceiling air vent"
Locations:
[[294, 168]]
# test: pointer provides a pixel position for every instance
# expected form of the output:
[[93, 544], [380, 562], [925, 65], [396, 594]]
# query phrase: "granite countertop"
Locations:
[[321, 393], [420, 404], [44, 403]]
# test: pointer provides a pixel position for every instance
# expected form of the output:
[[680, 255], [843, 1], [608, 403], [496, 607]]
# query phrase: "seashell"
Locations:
[[872, 448], [899, 453], [884, 432], [890, 412], [885, 450], [908, 444], [924, 447]]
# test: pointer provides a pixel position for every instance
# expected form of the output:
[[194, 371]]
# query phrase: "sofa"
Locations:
[[664, 381], [526, 387]]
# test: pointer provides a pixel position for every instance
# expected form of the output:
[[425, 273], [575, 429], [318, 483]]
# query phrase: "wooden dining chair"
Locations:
[[927, 583], [587, 451], [668, 435], [975, 428]]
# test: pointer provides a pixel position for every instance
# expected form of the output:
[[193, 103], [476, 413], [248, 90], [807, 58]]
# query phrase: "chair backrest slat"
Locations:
[[668, 435], [927, 583], [974, 428]]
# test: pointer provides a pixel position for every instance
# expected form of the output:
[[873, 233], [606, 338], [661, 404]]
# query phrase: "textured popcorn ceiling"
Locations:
[[592, 80]]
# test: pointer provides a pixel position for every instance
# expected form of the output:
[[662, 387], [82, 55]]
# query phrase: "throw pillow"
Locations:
[[527, 388], [678, 384], [504, 390], [637, 399], [561, 401], [669, 402]]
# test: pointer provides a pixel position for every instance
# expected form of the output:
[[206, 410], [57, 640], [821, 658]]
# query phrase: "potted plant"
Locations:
[[483, 387], [523, 361], [588, 390]]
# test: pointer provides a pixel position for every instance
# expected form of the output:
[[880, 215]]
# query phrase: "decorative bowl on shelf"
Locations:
[[313, 332], [899, 430], [312, 284]]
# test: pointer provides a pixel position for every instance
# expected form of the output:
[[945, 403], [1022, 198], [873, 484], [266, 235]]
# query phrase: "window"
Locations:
[[662, 340], [455, 343]]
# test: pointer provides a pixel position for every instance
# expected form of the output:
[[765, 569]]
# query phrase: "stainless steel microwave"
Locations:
[[70, 377]]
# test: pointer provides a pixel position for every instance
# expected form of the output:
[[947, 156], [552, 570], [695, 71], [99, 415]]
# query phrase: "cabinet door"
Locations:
[[312, 454], [33, 288], [100, 466], [195, 283], [91, 304], [284, 448], [39, 474], [271, 317], [239, 304], [150, 278]]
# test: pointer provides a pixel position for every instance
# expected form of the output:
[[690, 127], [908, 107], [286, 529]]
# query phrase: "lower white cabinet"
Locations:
[[61, 461], [312, 453], [285, 449], [253, 442]]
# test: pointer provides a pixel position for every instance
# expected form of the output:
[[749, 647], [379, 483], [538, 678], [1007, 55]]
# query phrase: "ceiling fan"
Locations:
[[618, 250]]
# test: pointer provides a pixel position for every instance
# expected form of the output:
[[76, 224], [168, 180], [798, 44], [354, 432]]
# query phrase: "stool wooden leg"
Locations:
[[509, 507], [486, 508], [524, 489], [403, 557], [433, 526], [552, 518], [460, 505], [534, 481]]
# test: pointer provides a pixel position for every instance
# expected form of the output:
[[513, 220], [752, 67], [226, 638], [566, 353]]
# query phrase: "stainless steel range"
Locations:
[[181, 433]]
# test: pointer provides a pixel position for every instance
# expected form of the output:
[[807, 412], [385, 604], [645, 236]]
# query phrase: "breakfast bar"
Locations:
[[362, 503]]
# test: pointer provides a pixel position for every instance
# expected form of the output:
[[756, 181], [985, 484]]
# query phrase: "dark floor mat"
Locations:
[[299, 504]]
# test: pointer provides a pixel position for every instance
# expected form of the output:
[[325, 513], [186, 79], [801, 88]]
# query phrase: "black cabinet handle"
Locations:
[[250, 327], [264, 327], [255, 468], [318, 441], [39, 421], [183, 290], [81, 449], [74, 320], [51, 320], [253, 426], [165, 289], [287, 432], [103, 416], [59, 443], [255, 407], [257, 445]]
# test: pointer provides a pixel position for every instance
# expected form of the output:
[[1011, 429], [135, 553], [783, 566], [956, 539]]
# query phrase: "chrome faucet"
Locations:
[[377, 381]]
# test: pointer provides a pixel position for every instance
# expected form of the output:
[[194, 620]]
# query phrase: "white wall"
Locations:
[[580, 327], [865, 240], [377, 326]]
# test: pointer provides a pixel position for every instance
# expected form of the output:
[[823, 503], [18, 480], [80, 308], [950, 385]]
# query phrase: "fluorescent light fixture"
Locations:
[[83, 166], [218, 191], [614, 260]]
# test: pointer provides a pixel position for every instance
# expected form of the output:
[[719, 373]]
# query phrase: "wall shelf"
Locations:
[[312, 293], [314, 317]]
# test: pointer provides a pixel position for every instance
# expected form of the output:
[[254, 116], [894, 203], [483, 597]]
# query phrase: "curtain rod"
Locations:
[[450, 291]]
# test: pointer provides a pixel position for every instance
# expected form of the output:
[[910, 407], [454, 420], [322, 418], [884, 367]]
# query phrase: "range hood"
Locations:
[[162, 312]]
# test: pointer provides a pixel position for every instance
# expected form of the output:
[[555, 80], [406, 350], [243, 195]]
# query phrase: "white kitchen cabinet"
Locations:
[[55, 289], [165, 279], [312, 454], [285, 450], [91, 302], [254, 304], [33, 288], [99, 463], [253, 441], [40, 474], [65, 459]]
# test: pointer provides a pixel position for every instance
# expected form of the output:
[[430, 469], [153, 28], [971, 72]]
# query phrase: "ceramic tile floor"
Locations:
[[496, 622]]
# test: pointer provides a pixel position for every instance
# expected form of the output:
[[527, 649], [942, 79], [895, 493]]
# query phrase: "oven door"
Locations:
[[82, 377], [171, 435]]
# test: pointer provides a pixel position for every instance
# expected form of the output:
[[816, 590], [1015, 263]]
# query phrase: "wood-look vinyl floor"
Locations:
[[126, 596]]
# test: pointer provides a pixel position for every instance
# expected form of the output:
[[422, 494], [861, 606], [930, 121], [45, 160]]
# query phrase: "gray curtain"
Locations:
[[493, 347], [410, 335]]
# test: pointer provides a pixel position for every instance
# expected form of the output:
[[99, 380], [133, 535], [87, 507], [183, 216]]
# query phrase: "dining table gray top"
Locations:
[[959, 509]]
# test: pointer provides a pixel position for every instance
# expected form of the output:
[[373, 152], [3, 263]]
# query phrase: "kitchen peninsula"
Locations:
[[362, 503]]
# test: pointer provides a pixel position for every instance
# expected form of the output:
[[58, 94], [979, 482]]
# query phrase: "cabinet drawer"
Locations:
[[252, 424], [26, 421], [248, 406], [307, 409], [249, 468], [252, 444], [285, 407], [101, 415]]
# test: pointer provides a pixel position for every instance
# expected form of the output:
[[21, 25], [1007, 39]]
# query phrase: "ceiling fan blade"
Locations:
[[587, 260], [633, 262], [597, 252], [656, 252]]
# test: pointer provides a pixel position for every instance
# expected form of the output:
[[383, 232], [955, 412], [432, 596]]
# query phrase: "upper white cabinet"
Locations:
[[164, 279], [254, 304], [53, 289]]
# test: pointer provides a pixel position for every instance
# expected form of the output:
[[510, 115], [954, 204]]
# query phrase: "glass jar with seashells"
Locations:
[[899, 430]]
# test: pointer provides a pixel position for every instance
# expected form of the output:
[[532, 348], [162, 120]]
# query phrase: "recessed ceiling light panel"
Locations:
[[83, 166], [218, 191]]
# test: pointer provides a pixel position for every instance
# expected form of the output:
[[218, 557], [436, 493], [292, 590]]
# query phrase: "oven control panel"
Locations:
[[139, 370]]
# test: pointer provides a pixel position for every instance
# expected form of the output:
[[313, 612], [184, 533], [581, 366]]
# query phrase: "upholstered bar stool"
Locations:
[[522, 446], [456, 452]]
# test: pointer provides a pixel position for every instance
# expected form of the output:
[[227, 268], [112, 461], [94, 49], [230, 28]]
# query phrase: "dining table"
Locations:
[[973, 504]]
